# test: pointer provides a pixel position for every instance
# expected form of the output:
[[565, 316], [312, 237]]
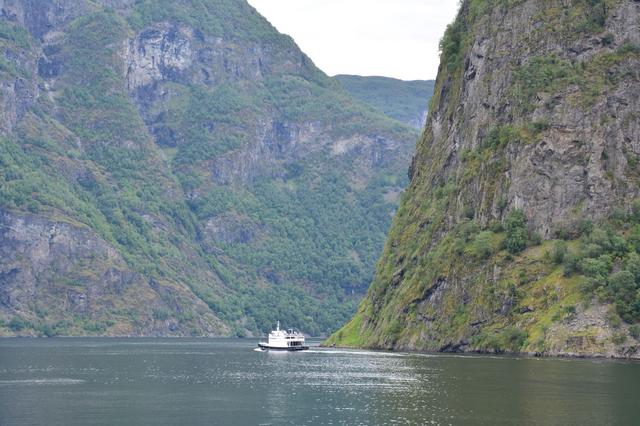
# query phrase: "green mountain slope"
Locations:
[[405, 101], [176, 168], [519, 229]]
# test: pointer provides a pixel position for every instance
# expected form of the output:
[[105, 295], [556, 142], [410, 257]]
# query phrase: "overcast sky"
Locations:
[[393, 38]]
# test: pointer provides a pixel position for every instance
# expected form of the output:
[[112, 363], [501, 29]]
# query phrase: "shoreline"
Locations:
[[506, 354]]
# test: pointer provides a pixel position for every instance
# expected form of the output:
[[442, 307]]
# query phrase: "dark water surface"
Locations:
[[81, 382]]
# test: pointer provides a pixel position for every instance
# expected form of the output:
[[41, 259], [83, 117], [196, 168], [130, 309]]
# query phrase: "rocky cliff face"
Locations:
[[179, 167], [517, 230], [78, 282]]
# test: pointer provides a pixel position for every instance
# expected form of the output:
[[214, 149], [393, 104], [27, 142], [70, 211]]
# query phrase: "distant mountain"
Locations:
[[520, 229], [181, 168], [405, 101]]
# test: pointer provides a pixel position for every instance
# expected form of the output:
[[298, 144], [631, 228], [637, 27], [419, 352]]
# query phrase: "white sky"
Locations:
[[392, 38]]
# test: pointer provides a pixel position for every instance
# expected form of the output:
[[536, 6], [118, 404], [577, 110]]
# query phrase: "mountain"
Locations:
[[405, 101], [181, 168], [520, 228]]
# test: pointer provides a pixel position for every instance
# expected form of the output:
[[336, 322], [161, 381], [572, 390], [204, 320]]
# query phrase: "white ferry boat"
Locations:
[[284, 340]]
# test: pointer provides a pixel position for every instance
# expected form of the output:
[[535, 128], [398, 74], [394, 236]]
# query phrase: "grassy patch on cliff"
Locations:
[[349, 335], [552, 74]]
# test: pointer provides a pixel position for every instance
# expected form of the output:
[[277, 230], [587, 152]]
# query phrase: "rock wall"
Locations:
[[534, 117], [44, 274], [577, 161]]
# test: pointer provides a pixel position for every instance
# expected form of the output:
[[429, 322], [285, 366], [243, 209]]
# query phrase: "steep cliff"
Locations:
[[180, 167], [519, 230], [405, 101]]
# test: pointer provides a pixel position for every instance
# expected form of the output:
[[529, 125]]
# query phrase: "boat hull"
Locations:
[[285, 349]]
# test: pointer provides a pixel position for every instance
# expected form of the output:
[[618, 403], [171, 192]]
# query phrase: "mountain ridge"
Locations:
[[402, 100], [181, 168]]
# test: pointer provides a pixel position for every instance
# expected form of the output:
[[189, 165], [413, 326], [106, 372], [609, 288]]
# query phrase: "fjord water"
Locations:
[[226, 382]]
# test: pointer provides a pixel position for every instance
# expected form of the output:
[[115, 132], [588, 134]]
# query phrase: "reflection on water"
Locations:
[[226, 382]]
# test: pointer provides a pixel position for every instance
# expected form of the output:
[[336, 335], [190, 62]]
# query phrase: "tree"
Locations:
[[559, 252], [517, 235], [622, 288]]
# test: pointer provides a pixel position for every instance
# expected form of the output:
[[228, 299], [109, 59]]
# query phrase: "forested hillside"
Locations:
[[405, 101], [181, 168]]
